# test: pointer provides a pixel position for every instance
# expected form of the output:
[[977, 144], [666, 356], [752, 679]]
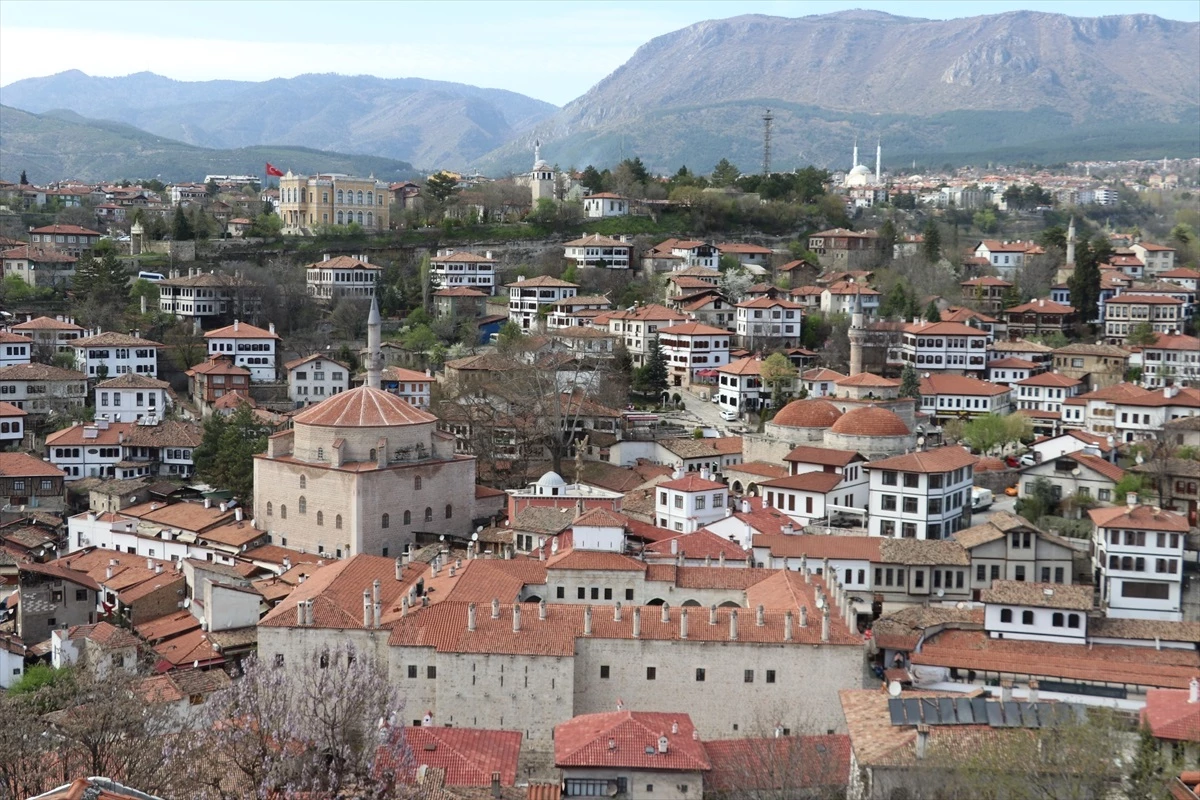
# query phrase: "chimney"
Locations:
[[733, 633], [825, 624], [587, 621], [662, 743], [787, 626], [1006, 690], [399, 569], [224, 507], [495, 786], [637, 622], [788, 529], [922, 740], [235, 324], [683, 622], [158, 569], [149, 563], [108, 571], [804, 567], [1131, 500], [542, 610], [705, 473], [708, 560], [516, 611], [376, 613], [239, 514], [675, 547], [471, 617], [666, 612], [1033, 691], [760, 616], [208, 502], [300, 613], [495, 608], [803, 616], [1194, 691], [617, 612], [712, 614], [405, 603], [366, 608], [674, 727]]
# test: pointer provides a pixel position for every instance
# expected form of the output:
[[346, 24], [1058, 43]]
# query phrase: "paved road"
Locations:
[[702, 413]]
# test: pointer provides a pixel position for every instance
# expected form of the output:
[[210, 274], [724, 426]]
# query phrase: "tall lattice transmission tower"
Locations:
[[767, 118]]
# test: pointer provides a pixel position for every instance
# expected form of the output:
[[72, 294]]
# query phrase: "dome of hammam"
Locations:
[[811, 413], [363, 407], [551, 480], [870, 421]]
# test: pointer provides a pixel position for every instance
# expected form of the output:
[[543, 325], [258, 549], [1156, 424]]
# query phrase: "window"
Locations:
[[770, 676], [629, 594], [279, 659], [282, 511], [428, 514], [386, 522], [417, 483], [887, 502], [431, 672], [408, 518], [1056, 619], [337, 522], [919, 579], [412, 670], [1073, 621], [981, 573], [1145, 591], [1006, 615], [581, 593], [604, 672], [910, 505], [449, 510], [303, 482], [1019, 572], [651, 673], [911, 480], [303, 505], [889, 478], [595, 592], [1026, 617], [81, 595], [700, 674], [1058, 574]]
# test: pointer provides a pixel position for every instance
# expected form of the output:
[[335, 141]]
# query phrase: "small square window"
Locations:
[[604, 672], [700, 674], [560, 592], [629, 594], [651, 673], [581, 593], [748, 677], [412, 670], [608, 594], [595, 593], [431, 672], [279, 659], [770, 676]]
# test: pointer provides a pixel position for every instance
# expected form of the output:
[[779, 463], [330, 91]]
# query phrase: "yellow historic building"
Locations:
[[308, 202]]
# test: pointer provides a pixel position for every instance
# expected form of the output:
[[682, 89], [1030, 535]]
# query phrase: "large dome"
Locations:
[[811, 413], [364, 407], [870, 421]]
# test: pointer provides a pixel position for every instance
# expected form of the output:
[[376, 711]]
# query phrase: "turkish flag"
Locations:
[[271, 171]]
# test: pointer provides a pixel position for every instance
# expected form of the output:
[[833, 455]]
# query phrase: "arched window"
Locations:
[[428, 514], [370, 198], [360, 198], [270, 509], [417, 483], [449, 511], [339, 195], [282, 511], [320, 518], [370, 220], [3, 427], [303, 482], [372, 457], [360, 216], [1073, 621], [1057, 619], [1026, 617], [303, 505], [1006, 615], [408, 518], [337, 522], [341, 219], [387, 521]]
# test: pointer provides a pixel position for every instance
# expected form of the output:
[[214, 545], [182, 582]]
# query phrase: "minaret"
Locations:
[[1071, 243], [374, 356], [858, 334], [537, 152], [855, 164], [878, 159]]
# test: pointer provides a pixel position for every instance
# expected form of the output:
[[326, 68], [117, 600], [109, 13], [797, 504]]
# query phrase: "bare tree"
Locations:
[[775, 762], [315, 727]]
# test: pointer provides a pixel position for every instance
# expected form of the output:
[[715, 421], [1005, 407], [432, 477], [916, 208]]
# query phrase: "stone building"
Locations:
[[308, 202], [362, 472]]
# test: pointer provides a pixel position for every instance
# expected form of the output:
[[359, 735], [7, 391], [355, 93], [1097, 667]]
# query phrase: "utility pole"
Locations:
[[767, 118]]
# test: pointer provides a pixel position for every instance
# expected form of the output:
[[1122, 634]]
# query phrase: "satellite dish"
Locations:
[[920, 441], [941, 592], [894, 688], [475, 537], [960, 605], [1075, 472]]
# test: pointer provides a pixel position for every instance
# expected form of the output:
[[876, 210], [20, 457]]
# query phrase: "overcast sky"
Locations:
[[554, 51]]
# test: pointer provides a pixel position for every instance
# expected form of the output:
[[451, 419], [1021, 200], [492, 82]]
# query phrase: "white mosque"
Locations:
[[860, 175]]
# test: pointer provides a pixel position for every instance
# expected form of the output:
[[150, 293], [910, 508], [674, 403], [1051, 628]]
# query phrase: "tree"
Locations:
[[724, 173], [888, 237], [101, 288], [931, 247], [993, 431], [326, 724], [440, 186], [1147, 778], [1038, 502], [1085, 282], [592, 179], [1142, 335], [910, 382], [510, 337], [654, 378], [225, 457], [931, 312], [181, 228], [349, 318], [24, 181], [985, 221], [1132, 483], [779, 373]]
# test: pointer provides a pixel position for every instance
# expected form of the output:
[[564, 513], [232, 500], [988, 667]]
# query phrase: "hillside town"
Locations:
[[514, 477]]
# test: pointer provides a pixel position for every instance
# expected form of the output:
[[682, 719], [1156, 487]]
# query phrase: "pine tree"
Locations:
[[931, 312], [932, 246], [655, 379], [910, 382], [1085, 283], [24, 180], [887, 240], [225, 457], [181, 228], [1147, 774]]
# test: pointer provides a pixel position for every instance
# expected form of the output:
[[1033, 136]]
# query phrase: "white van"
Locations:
[[980, 498], [153, 277]]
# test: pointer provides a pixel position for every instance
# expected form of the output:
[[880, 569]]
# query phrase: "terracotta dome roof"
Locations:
[[363, 407], [990, 464], [812, 413], [870, 421]]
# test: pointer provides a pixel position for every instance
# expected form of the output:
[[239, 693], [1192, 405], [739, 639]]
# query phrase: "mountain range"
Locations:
[[62, 144], [1016, 86]]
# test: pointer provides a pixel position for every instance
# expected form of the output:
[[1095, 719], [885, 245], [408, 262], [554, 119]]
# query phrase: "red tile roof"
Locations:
[[961, 385], [943, 329], [240, 330], [595, 560], [1133, 298], [23, 465], [870, 421], [46, 324], [1144, 518], [67, 229], [337, 591], [864, 548], [867, 379], [1011, 362], [363, 407], [702, 543], [1169, 715], [1040, 307], [814, 412], [825, 456], [468, 755], [1098, 464], [941, 459], [622, 739], [694, 329], [1052, 379], [819, 482], [691, 482]]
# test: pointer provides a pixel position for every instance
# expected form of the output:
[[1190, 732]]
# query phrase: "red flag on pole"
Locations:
[[271, 171]]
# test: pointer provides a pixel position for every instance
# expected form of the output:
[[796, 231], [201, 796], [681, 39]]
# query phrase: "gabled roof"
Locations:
[[469, 756], [1051, 379], [39, 372], [114, 339], [691, 482], [1170, 716], [66, 229], [629, 740], [542, 280], [1077, 597], [240, 330], [818, 482], [694, 329], [940, 459], [342, 262], [23, 465], [1144, 518], [868, 379], [46, 324], [824, 456], [701, 543], [596, 240], [1098, 464], [133, 380], [299, 362], [461, 257], [651, 312], [943, 329], [1130, 298], [962, 385], [744, 366], [768, 302]]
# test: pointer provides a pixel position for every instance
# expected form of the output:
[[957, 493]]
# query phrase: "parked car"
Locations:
[[729, 416], [1012, 461], [1011, 491], [716, 398], [980, 498], [1028, 460]]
